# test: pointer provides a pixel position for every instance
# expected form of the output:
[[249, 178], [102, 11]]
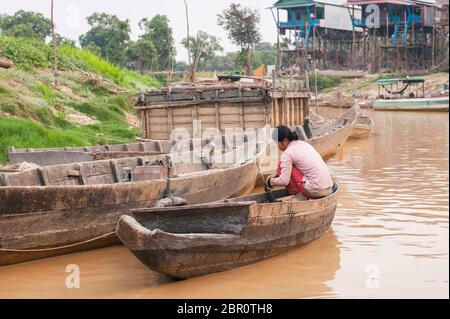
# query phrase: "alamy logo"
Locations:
[[73, 20], [373, 276], [373, 16], [73, 280]]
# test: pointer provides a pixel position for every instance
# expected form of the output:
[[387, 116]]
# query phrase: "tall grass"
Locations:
[[87, 60], [27, 54], [24, 133], [33, 112]]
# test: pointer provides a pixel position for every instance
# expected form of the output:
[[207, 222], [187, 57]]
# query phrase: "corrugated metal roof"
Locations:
[[301, 3], [291, 3], [404, 80], [405, 2]]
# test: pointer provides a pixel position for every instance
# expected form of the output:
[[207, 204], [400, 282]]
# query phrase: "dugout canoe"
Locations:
[[190, 241], [364, 125], [56, 210]]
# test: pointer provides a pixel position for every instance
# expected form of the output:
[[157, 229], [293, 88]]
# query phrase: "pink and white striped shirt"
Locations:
[[308, 161]]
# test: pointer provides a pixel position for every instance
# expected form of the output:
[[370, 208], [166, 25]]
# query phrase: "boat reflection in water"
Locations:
[[115, 273]]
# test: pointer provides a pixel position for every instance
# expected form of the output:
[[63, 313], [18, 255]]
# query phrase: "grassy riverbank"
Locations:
[[92, 103]]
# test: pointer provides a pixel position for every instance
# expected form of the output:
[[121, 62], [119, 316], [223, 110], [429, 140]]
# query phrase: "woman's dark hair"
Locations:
[[283, 132]]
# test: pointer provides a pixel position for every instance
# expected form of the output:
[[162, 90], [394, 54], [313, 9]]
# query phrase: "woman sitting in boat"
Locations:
[[301, 168]]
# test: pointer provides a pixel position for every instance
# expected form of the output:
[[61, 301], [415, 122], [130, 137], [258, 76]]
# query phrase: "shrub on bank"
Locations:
[[27, 54], [323, 81]]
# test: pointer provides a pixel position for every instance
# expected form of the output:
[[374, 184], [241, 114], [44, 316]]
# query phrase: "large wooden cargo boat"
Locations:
[[192, 109]]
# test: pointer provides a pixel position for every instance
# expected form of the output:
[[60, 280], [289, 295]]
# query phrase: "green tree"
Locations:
[[158, 31], [60, 40], [265, 53], [108, 33], [241, 24], [142, 54], [181, 66], [203, 48], [26, 24], [265, 46], [227, 63]]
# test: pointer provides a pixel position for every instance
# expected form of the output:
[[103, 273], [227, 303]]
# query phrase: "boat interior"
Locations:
[[150, 147], [365, 120], [321, 129], [214, 218], [110, 171], [229, 216]]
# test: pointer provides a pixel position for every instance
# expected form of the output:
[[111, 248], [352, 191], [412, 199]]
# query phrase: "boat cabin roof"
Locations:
[[409, 80]]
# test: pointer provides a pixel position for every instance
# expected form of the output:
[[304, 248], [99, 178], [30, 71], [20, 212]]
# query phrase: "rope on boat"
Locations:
[[55, 248]]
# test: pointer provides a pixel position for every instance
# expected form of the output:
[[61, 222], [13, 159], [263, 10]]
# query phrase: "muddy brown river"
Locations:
[[390, 237]]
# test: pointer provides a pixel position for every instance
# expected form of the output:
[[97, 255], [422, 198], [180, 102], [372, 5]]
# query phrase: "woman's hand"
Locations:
[[267, 185]]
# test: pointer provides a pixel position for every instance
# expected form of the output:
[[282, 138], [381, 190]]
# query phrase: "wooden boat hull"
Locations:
[[256, 232], [45, 221], [422, 104], [67, 155], [362, 128], [328, 146]]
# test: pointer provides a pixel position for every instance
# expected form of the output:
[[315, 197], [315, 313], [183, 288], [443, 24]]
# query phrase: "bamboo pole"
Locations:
[[55, 50], [188, 43], [315, 69]]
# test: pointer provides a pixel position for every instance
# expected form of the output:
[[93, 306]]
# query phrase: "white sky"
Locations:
[[70, 15]]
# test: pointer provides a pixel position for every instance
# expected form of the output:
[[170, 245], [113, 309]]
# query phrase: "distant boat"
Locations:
[[392, 98], [364, 125], [190, 241]]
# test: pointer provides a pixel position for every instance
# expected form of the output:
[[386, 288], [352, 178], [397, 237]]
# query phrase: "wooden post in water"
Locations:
[[315, 69], [274, 80]]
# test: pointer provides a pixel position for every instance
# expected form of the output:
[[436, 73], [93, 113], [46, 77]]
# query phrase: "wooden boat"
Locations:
[[316, 118], [393, 98], [412, 104], [364, 124], [327, 139], [196, 108], [363, 127], [67, 155], [55, 210], [196, 240]]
